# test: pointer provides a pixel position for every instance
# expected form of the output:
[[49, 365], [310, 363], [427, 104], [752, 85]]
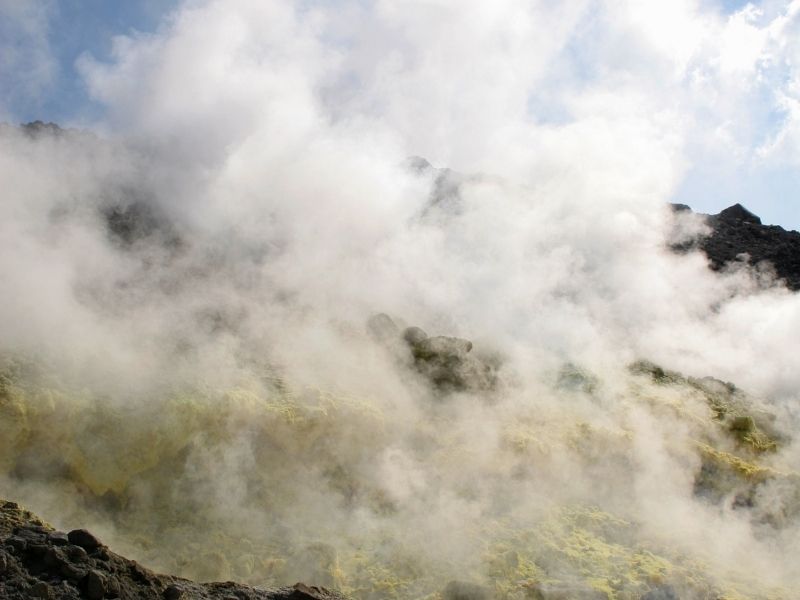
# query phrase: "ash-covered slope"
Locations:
[[736, 232], [36, 561]]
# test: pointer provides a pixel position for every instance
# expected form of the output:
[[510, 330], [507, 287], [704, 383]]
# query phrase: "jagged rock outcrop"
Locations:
[[36, 561], [737, 234], [446, 362]]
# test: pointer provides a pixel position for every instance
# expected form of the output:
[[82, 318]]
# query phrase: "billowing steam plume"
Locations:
[[207, 302]]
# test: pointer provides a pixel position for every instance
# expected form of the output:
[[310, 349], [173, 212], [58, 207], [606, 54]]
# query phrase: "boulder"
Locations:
[[446, 362]]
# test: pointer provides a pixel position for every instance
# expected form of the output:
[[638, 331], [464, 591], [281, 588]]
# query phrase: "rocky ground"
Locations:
[[36, 561]]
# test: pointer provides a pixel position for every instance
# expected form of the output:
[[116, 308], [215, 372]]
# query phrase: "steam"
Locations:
[[197, 274]]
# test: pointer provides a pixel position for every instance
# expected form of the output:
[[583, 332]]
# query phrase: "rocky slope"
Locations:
[[739, 235], [36, 561]]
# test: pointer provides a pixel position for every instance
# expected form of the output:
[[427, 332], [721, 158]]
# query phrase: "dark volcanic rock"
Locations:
[[84, 539], [738, 235], [40, 590], [173, 592], [301, 591], [39, 562], [737, 231], [95, 585]]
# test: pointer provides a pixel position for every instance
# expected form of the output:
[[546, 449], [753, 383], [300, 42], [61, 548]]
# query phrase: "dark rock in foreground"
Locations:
[[38, 562], [737, 234]]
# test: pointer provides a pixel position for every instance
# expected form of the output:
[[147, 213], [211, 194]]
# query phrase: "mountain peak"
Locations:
[[737, 212]]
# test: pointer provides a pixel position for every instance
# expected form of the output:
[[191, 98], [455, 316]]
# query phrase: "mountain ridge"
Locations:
[[738, 236]]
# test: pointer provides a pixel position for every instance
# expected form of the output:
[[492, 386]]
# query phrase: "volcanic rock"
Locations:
[[36, 563], [95, 585], [447, 363], [40, 590], [737, 235], [84, 539]]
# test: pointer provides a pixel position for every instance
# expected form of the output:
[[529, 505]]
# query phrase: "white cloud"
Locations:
[[248, 96], [742, 42]]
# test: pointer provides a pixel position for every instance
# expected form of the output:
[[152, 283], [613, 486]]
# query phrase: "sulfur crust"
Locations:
[[90, 438]]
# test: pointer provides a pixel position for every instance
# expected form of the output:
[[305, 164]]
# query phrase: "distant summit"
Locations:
[[738, 213], [738, 235]]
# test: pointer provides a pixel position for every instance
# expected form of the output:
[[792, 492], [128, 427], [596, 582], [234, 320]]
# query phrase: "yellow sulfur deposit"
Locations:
[[268, 485]]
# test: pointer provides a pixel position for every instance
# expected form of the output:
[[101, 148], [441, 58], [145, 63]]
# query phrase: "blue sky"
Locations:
[[756, 170], [88, 26], [75, 27]]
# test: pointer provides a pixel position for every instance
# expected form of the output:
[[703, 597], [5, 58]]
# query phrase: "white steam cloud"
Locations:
[[248, 204]]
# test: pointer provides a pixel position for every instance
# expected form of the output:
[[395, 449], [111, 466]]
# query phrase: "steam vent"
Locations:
[[399, 300]]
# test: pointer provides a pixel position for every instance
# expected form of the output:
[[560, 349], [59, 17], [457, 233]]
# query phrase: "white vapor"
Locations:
[[267, 142]]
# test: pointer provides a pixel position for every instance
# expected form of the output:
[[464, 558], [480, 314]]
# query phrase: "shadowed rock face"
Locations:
[[37, 561], [736, 232]]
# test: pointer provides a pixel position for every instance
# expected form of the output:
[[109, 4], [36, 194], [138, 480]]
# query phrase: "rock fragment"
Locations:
[[448, 364], [84, 539], [76, 554], [445, 361], [71, 572], [17, 543], [58, 538], [301, 591], [173, 592], [95, 585], [40, 590]]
